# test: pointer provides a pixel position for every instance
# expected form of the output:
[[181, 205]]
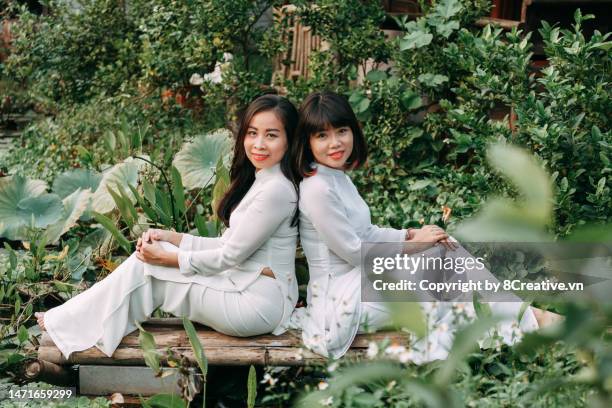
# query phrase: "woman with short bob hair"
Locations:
[[335, 221], [241, 284]]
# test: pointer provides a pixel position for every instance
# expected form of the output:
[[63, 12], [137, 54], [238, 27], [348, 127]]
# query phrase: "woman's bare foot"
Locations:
[[546, 318], [40, 318]]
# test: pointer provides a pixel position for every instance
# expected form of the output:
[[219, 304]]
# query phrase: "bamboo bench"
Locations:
[[283, 350], [127, 362]]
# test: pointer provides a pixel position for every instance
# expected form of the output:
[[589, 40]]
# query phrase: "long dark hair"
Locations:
[[318, 112], [242, 172]]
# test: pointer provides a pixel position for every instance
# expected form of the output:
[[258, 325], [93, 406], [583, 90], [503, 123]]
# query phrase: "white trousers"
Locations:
[[103, 314]]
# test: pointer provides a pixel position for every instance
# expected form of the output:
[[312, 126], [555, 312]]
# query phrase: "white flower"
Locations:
[[332, 367], [196, 80], [327, 401], [372, 350], [391, 385], [395, 349], [323, 385], [406, 356], [267, 378]]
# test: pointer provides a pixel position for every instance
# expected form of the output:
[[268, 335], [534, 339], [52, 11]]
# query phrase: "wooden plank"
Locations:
[[220, 349], [505, 24]]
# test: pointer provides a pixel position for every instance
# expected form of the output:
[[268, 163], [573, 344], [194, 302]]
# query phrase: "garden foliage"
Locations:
[[131, 95]]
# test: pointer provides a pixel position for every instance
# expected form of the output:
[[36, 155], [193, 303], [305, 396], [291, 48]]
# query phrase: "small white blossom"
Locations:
[[267, 378], [332, 367], [327, 401], [406, 356], [196, 80], [395, 349], [323, 385], [372, 350]]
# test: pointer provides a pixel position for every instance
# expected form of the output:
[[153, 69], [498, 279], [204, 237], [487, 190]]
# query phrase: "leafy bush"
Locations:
[[565, 119]]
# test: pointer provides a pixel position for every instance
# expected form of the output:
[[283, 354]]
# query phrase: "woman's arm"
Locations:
[[270, 207]]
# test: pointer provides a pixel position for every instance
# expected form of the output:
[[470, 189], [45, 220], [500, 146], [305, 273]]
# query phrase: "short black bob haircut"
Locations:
[[321, 111]]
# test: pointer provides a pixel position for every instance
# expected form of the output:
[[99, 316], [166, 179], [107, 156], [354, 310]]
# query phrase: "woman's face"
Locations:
[[332, 147], [265, 142]]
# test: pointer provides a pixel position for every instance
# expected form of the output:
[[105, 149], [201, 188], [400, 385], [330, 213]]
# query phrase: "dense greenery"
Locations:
[[131, 93]]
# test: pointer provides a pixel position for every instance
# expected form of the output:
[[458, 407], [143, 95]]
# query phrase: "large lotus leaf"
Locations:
[[22, 199], [74, 206], [70, 181], [197, 160], [120, 174]]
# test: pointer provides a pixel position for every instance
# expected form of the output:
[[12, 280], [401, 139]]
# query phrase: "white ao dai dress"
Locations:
[[218, 282], [334, 221]]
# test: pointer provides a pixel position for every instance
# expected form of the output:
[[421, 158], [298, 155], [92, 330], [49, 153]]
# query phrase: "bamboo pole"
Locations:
[[46, 371], [220, 349]]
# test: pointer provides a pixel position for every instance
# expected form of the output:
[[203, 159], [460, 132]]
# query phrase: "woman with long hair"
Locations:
[[241, 284], [335, 223]]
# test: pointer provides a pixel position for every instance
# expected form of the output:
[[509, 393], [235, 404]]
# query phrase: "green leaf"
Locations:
[[446, 29], [197, 160], [376, 75], [110, 226], [361, 373], [22, 199], [415, 39], [22, 334], [448, 8], [481, 309], [432, 80], [122, 205], [527, 175], [251, 387], [165, 401], [198, 352], [120, 174], [75, 206], [411, 100], [142, 202], [200, 224], [223, 182], [149, 349], [178, 192], [420, 184], [465, 341], [600, 186], [409, 315], [70, 181]]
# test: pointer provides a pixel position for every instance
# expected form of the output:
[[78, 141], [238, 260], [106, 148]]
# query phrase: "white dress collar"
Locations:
[[268, 172], [328, 171]]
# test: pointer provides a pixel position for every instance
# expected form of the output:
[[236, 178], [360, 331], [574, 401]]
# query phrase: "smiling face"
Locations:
[[332, 147], [265, 141]]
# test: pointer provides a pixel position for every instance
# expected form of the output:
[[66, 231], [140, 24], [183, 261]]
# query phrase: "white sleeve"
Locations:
[[380, 234], [194, 243], [272, 204]]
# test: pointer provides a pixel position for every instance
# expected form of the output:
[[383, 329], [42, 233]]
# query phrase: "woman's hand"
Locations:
[[431, 234], [154, 254], [154, 234]]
